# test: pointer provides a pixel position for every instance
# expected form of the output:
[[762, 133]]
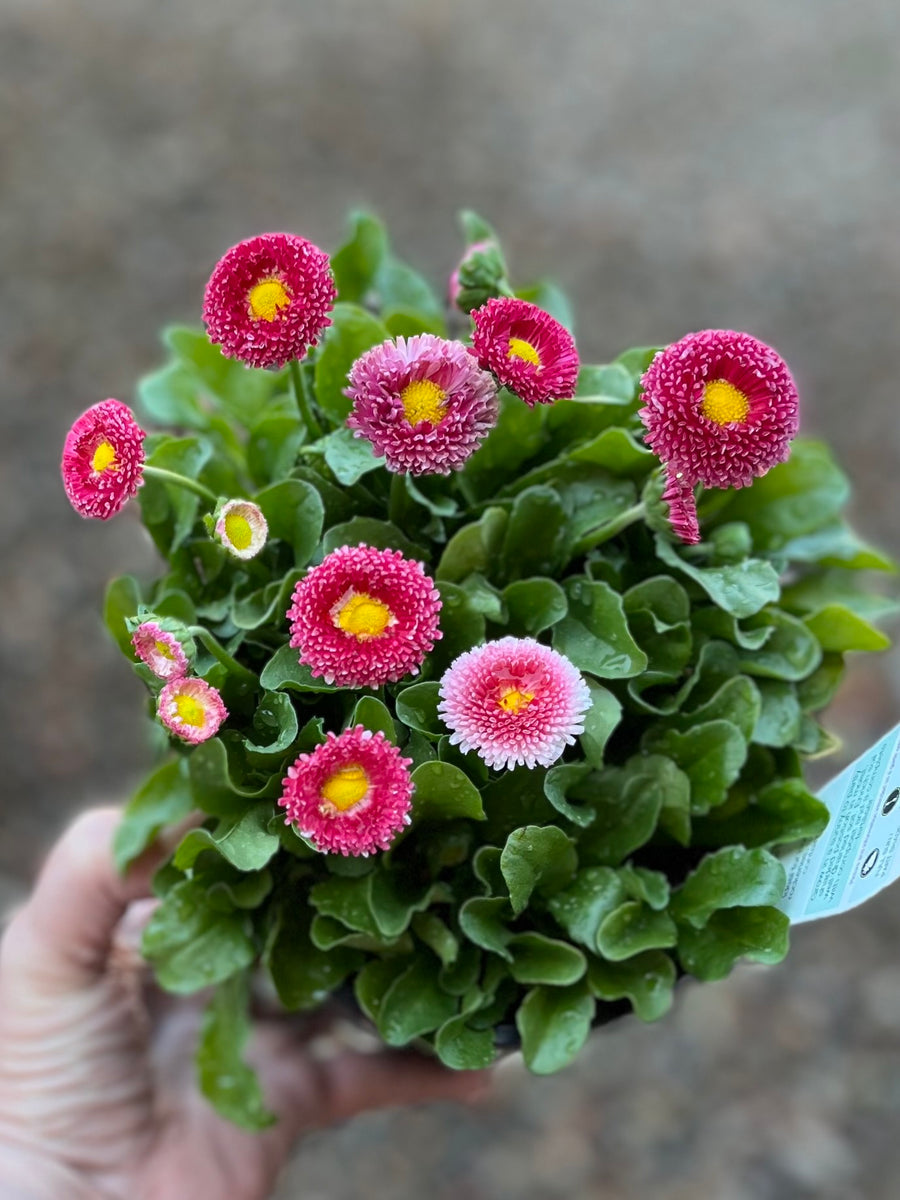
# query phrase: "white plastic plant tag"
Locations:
[[857, 855]]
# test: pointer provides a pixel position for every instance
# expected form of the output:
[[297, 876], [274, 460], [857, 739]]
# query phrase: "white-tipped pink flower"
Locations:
[[241, 528], [514, 701], [160, 649], [191, 709], [351, 795]]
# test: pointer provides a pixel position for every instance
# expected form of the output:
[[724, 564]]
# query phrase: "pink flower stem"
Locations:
[[192, 485], [313, 428]]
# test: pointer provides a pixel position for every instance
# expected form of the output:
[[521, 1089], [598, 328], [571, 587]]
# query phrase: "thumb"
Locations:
[[61, 938]]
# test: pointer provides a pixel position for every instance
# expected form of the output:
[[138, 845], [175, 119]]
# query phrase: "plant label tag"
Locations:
[[857, 855]]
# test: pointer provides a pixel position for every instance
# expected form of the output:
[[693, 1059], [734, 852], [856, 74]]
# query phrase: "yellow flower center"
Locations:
[[190, 711], [346, 787], [238, 531], [724, 403], [519, 348], [104, 457], [514, 701], [267, 298], [164, 650], [423, 400], [362, 616]]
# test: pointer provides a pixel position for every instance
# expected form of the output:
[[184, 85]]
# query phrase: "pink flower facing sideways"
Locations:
[[160, 650], [268, 299], [529, 351], [423, 402], [351, 795], [103, 460], [514, 701], [191, 709], [720, 409], [364, 617]]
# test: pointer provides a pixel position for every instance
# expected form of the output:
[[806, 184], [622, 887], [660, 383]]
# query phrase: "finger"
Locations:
[[62, 935]]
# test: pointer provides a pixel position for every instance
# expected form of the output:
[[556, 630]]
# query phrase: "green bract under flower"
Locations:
[[524, 903]]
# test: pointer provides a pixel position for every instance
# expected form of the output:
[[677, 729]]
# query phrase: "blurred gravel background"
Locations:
[[674, 166]]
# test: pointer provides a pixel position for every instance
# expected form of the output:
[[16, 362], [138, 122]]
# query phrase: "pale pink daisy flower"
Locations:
[[268, 299], [191, 709], [364, 617], [513, 701], [351, 795], [720, 408], [103, 460], [241, 528], [529, 351], [423, 402], [160, 649]]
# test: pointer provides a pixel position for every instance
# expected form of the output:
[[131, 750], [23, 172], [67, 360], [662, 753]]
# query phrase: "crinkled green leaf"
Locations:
[[633, 928], [217, 785], [294, 512], [259, 607], [302, 974], [462, 626], [164, 798], [556, 784], [284, 670], [595, 635], [540, 959], [474, 548], [366, 530], [417, 708], [742, 589], [356, 263], [837, 629], [230, 1085], [372, 714], [348, 456], [352, 332], [192, 943], [711, 755], [443, 792], [600, 721], [415, 1003], [536, 538], [729, 878], [784, 811], [169, 511], [244, 841], [537, 858], [462, 1048], [790, 652], [581, 907], [760, 934], [533, 605], [554, 1024], [645, 979], [778, 722], [483, 919]]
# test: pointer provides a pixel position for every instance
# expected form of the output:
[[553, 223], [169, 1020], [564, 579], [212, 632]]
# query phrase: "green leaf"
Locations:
[[818, 689], [737, 700], [380, 534], [243, 841], [729, 878], [225, 1079], [294, 512], [417, 708], [618, 451], [516, 797], [356, 263], [415, 1003], [121, 601], [554, 1024], [651, 887], [372, 714], [517, 435], [793, 499], [711, 755], [784, 812], [474, 548], [273, 446], [838, 629], [483, 921], [444, 792], [836, 545], [164, 798], [595, 635], [352, 332], [373, 982], [403, 292], [636, 360], [274, 728], [538, 858], [241, 391], [283, 670], [633, 928], [214, 785], [557, 781], [629, 802], [778, 723], [742, 589], [540, 959], [600, 721], [582, 907], [534, 605], [462, 626], [536, 540], [302, 974], [646, 980], [348, 456], [790, 652], [760, 934], [462, 1048], [168, 510], [192, 944], [437, 936], [250, 612]]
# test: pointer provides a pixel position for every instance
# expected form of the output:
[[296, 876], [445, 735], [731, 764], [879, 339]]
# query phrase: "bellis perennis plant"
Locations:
[[490, 673]]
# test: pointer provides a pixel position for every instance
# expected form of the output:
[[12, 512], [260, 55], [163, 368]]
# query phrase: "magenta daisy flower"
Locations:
[[268, 299], [241, 528], [191, 709], [103, 460], [720, 408], [351, 795], [527, 349], [364, 617], [513, 701], [423, 402], [160, 649]]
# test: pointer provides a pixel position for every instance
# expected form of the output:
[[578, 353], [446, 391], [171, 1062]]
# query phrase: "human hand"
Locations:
[[97, 1091]]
